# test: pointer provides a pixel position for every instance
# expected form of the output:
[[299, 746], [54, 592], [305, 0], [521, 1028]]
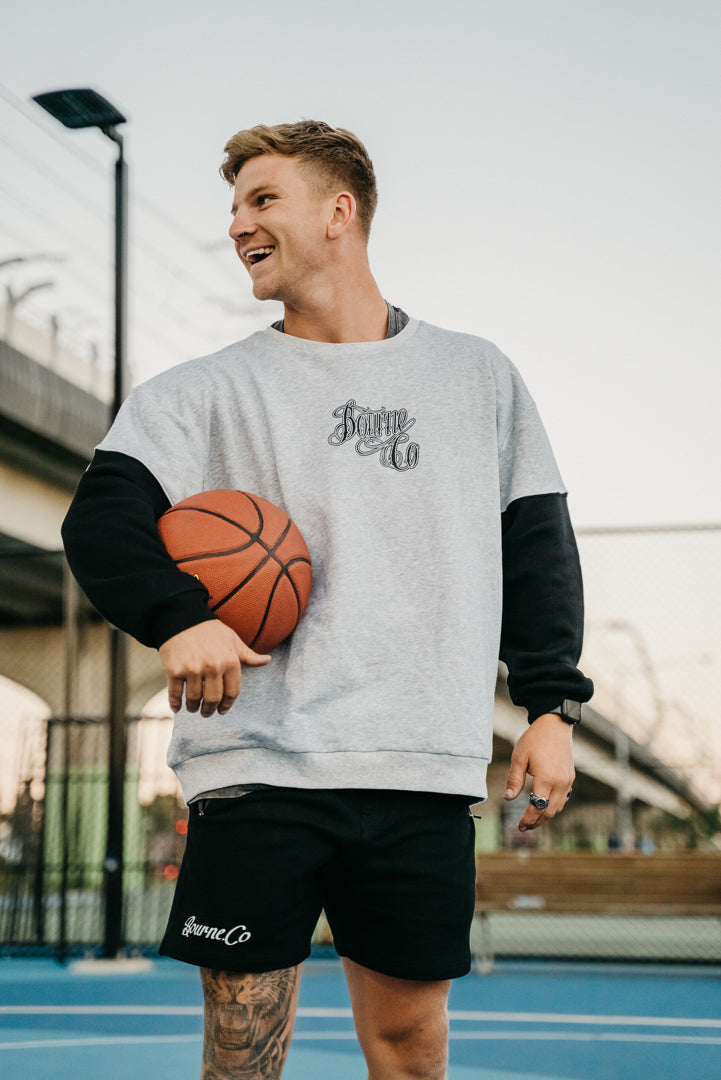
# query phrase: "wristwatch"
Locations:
[[568, 710]]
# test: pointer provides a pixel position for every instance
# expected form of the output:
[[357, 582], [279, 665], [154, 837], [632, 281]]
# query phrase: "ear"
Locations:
[[343, 213]]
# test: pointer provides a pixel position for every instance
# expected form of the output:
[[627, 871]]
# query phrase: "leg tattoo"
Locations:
[[248, 1023]]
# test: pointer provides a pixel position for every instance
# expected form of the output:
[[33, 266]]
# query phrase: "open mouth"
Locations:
[[258, 254]]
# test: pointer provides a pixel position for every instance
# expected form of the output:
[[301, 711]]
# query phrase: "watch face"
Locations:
[[571, 711]]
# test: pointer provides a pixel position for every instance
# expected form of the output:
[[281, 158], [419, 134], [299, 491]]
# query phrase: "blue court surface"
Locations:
[[523, 1022]]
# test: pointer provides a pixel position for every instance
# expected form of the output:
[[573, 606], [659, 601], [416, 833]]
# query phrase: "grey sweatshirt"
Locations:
[[395, 459]]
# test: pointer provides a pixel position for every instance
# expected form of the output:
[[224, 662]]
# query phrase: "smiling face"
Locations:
[[280, 227]]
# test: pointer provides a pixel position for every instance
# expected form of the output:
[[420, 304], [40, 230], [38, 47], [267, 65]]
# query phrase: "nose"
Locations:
[[240, 226]]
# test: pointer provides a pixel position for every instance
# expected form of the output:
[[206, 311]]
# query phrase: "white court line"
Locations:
[[581, 1018], [345, 1013], [329, 1036], [108, 1040], [101, 1010], [542, 1036], [587, 1036]]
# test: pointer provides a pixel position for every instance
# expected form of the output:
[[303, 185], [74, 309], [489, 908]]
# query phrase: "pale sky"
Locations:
[[548, 174]]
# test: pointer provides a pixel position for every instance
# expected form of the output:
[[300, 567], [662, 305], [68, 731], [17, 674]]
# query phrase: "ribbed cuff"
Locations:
[[177, 615]]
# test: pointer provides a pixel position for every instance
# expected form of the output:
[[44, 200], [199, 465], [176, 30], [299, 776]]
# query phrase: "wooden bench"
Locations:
[[615, 884], [684, 884]]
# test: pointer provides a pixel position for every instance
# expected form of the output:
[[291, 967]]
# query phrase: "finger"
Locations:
[[175, 693], [560, 790], [212, 695], [515, 779], [536, 816], [560, 799], [533, 819], [193, 692], [253, 659], [231, 689], [557, 798]]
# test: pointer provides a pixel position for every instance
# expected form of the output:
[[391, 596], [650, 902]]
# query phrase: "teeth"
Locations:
[[258, 251]]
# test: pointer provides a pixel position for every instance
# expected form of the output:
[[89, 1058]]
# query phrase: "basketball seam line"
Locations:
[[218, 554], [254, 538], [221, 517], [282, 572], [263, 621], [278, 577], [263, 562]]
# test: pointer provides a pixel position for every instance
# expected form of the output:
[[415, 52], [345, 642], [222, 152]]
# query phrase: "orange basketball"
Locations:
[[249, 555]]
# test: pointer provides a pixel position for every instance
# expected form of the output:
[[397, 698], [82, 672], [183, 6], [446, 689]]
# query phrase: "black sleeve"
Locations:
[[542, 627], [115, 552]]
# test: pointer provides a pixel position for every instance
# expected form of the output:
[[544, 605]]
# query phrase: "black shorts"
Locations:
[[394, 871]]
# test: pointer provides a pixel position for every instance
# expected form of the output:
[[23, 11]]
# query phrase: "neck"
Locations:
[[343, 311]]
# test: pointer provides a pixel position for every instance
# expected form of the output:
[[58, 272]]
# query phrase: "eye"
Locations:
[[263, 199]]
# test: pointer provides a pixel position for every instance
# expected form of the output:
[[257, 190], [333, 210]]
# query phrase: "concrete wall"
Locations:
[[31, 509]]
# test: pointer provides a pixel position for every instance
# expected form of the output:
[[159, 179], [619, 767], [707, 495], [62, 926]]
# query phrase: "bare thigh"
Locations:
[[402, 1024], [248, 1023]]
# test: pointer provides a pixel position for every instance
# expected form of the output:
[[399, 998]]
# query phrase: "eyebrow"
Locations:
[[249, 195]]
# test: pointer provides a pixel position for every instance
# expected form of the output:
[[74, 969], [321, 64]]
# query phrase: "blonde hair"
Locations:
[[333, 156]]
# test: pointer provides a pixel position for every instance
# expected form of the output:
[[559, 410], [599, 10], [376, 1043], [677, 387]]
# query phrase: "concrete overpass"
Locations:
[[48, 429]]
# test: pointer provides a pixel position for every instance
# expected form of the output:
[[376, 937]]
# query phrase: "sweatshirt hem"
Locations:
[[392, 770]]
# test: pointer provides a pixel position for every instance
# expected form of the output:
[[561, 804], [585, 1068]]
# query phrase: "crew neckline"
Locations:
[[288, 341]]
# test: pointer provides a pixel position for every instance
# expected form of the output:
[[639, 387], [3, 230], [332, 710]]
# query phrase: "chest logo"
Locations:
[[377, 431]]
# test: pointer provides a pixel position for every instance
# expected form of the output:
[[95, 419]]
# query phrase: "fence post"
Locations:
[[113, 863]]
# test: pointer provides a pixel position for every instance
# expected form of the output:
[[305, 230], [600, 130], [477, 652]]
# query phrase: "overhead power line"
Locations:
[[176, 274], [164, 307], [36, 117], [177, 321]]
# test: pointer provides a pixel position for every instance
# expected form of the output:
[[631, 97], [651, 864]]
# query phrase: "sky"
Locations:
[[548, 174]]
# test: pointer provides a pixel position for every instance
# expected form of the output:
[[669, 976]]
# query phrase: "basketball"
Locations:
[[249, 555]]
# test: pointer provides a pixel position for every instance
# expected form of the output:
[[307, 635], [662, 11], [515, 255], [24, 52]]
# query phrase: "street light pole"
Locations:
[[121, 271], [118, 641], [83, 109]]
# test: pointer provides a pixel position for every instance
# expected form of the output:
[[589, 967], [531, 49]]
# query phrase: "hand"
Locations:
[[545, 752], [205, 660]]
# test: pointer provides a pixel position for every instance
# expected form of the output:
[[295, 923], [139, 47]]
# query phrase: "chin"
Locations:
[[264, 292]]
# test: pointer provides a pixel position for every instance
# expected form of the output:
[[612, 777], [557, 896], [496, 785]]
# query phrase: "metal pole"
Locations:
[[71, 642], [71, 636], [121, 270], [83, 108], [113, 864], [624, 813]]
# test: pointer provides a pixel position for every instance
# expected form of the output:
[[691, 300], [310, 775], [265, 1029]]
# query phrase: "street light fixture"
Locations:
[[87, 109], [81, 109]]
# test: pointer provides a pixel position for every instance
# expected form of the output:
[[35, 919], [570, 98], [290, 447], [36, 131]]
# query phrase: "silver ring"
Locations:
[[538, 801]]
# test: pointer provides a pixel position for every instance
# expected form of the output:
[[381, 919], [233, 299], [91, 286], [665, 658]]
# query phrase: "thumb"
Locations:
[[515, 780], [253, 659]]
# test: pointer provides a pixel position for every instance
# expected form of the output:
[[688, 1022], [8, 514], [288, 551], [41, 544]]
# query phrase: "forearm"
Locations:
[[542, 628], [115, 552]]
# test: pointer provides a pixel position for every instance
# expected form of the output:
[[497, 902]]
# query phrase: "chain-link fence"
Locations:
[[53, 871], [55, 684]]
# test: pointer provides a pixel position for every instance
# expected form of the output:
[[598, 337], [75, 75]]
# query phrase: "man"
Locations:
[[415, 464]]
